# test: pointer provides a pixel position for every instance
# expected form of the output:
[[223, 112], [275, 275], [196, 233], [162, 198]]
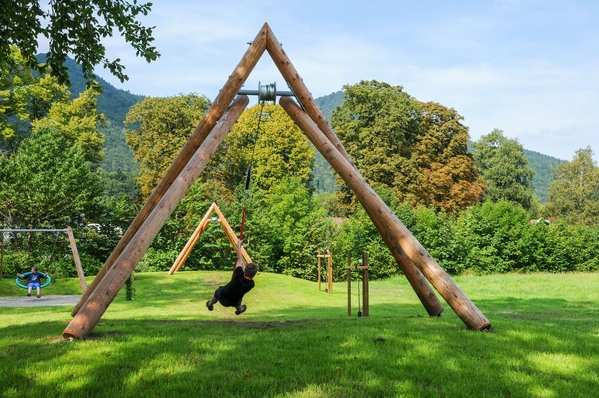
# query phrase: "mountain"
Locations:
[[541, 164]]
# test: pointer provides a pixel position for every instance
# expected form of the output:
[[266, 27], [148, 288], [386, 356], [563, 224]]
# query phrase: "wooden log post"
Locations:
[[99, 300], [319, 275], [365, 289], [348, 267], [193, 240], [329, 273], [396, 236], [77, 260], [218, 107]]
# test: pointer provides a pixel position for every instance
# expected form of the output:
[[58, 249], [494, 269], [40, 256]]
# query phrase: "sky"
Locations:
[[527, 67]]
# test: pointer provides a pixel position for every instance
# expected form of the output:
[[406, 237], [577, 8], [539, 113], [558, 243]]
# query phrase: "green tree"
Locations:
[[157, 130], [504, 168], [574, 192], [74, 27], [266, 138], [417, 150], [79, 121], [24, 98], [377, 125], [47, 183], [447, 177]]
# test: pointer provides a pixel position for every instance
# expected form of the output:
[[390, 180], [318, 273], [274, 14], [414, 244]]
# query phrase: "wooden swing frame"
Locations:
[[72, 244], [416, 263]]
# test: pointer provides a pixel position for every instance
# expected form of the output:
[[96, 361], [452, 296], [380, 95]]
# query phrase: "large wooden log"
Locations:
[[392, 230], [222, 101], [99, 300]]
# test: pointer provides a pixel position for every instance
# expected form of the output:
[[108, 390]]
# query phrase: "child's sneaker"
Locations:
[[28, 294], [38, 296], [242, 310], [210, 307]]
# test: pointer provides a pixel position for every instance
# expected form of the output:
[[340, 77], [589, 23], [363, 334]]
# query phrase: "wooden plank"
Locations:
[[98, 301], [394, 233], [220, 104]]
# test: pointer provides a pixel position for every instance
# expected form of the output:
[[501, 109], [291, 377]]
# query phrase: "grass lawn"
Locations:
[[295, 341]]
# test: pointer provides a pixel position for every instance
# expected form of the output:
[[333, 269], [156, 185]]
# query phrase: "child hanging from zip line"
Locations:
[[241, 282], [33, 280]]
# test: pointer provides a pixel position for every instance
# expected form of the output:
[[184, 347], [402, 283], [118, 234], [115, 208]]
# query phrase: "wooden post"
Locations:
[[1, 253], [348, 267], [330, 272], [220, 104], [365, 292], [193, 239], [77, 260], [94, 307], [394, 233], [319, 279]]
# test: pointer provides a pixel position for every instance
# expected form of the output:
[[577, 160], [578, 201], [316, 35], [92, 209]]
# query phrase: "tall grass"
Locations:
[[297, 342]]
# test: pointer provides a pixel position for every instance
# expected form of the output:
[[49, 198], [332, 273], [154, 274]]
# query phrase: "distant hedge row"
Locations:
[[488, 238]]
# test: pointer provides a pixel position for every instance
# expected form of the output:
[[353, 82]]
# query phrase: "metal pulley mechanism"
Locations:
[[267, 92]]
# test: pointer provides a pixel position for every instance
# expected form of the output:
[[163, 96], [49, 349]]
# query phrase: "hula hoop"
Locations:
[[19, 284]]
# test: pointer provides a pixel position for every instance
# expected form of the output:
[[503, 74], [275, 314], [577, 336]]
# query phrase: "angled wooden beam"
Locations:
[[392, 230], [231, 234], [77, 260], [98, 301], [220, 104]]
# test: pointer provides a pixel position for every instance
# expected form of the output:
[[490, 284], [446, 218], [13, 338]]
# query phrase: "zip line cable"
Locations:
[[248, 173]]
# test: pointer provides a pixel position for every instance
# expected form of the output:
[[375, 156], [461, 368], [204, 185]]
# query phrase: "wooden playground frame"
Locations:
[[193, 240], [416, 263], [72, 243]]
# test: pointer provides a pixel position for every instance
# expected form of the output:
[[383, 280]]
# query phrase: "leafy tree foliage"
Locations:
[[79, 121], [158, 129], [505, 169], [265, 137], [574, 193], [74, 27], [447, 179], [47, 183], [417, 150], [24, 98]]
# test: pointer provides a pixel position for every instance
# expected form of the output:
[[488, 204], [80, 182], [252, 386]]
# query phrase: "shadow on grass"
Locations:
[[540, 347]]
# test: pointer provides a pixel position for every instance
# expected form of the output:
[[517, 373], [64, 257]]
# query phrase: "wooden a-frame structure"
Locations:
[[195, 236], [416, 263]]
